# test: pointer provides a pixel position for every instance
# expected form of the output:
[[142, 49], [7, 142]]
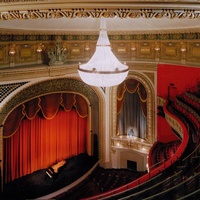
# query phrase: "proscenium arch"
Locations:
[[150, 137], [93, 96]]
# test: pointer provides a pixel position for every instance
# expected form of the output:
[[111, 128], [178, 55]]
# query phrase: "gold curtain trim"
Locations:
[[49, 118], [131, 86], [60, 100], [122, 87], [141, 97], [39, 108], [5, 137], [77, 110]]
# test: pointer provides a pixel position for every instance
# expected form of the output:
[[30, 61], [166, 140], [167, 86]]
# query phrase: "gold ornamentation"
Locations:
[[174, 124], [49, 86], [149, 86], [97, 13]]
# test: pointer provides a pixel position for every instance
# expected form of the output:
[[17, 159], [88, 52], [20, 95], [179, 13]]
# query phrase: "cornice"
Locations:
[[36, 71], [87, 34], [43, 9], [18, 35], [24, 14]]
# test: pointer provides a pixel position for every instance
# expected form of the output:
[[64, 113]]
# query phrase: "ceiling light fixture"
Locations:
[[103, 69]]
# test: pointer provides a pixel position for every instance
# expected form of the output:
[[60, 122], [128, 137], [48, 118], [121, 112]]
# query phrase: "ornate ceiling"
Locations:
[[79, 16]]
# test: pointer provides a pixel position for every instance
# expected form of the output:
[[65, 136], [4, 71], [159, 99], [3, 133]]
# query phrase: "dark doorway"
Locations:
[[132, 165]]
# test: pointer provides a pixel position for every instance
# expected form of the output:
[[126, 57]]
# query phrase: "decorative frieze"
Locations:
[[133, 143], [99, 12], [18, 53], [7, 36], [174, 124]]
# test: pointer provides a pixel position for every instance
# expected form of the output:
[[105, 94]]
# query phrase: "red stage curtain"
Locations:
[[45, 139], [68, 101], [31, 108], [13, 120], [39, 143], [49, 106]]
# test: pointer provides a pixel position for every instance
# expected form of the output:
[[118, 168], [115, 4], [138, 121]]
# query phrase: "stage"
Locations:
[[38, 184]]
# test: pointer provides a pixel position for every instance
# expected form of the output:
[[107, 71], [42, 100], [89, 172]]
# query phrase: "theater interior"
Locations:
[[64, 138]]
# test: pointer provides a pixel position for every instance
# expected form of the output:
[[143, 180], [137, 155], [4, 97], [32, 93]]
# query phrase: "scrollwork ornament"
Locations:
[[96, 13]]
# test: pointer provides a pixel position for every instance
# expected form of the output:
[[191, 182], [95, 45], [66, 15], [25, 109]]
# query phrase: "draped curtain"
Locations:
[[42, 132], [131, 108]]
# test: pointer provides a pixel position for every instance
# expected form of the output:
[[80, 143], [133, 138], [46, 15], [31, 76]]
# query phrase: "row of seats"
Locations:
[[101, 180], [188, 109], [192, 99], [162, 152], [107, 179]]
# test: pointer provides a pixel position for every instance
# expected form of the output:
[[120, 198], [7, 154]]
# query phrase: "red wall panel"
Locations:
[[182, 77]]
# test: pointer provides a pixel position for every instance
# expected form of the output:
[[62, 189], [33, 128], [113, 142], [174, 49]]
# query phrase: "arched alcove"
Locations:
[[122, 142], [30, 90]]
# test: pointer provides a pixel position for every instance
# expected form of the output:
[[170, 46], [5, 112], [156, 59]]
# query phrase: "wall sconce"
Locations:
[[87, 47], [133, 48], [12, 50], [183, 47], [39, 48], [157, 46]]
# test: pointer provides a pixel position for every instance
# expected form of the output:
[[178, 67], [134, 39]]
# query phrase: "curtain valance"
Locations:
[[131, 86], [48, 105]]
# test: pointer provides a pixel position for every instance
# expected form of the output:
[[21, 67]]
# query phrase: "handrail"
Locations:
[[153, 186], [192, 153], [156, 164], [137, 188], [176, 186]]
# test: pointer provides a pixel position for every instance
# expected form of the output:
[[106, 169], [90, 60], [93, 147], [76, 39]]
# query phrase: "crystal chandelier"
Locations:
[[103, 69]]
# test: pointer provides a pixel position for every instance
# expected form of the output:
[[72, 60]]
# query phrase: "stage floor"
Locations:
[[38, 184]]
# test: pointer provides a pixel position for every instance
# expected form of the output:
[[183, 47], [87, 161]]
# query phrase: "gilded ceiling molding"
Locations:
[[97, 13]]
